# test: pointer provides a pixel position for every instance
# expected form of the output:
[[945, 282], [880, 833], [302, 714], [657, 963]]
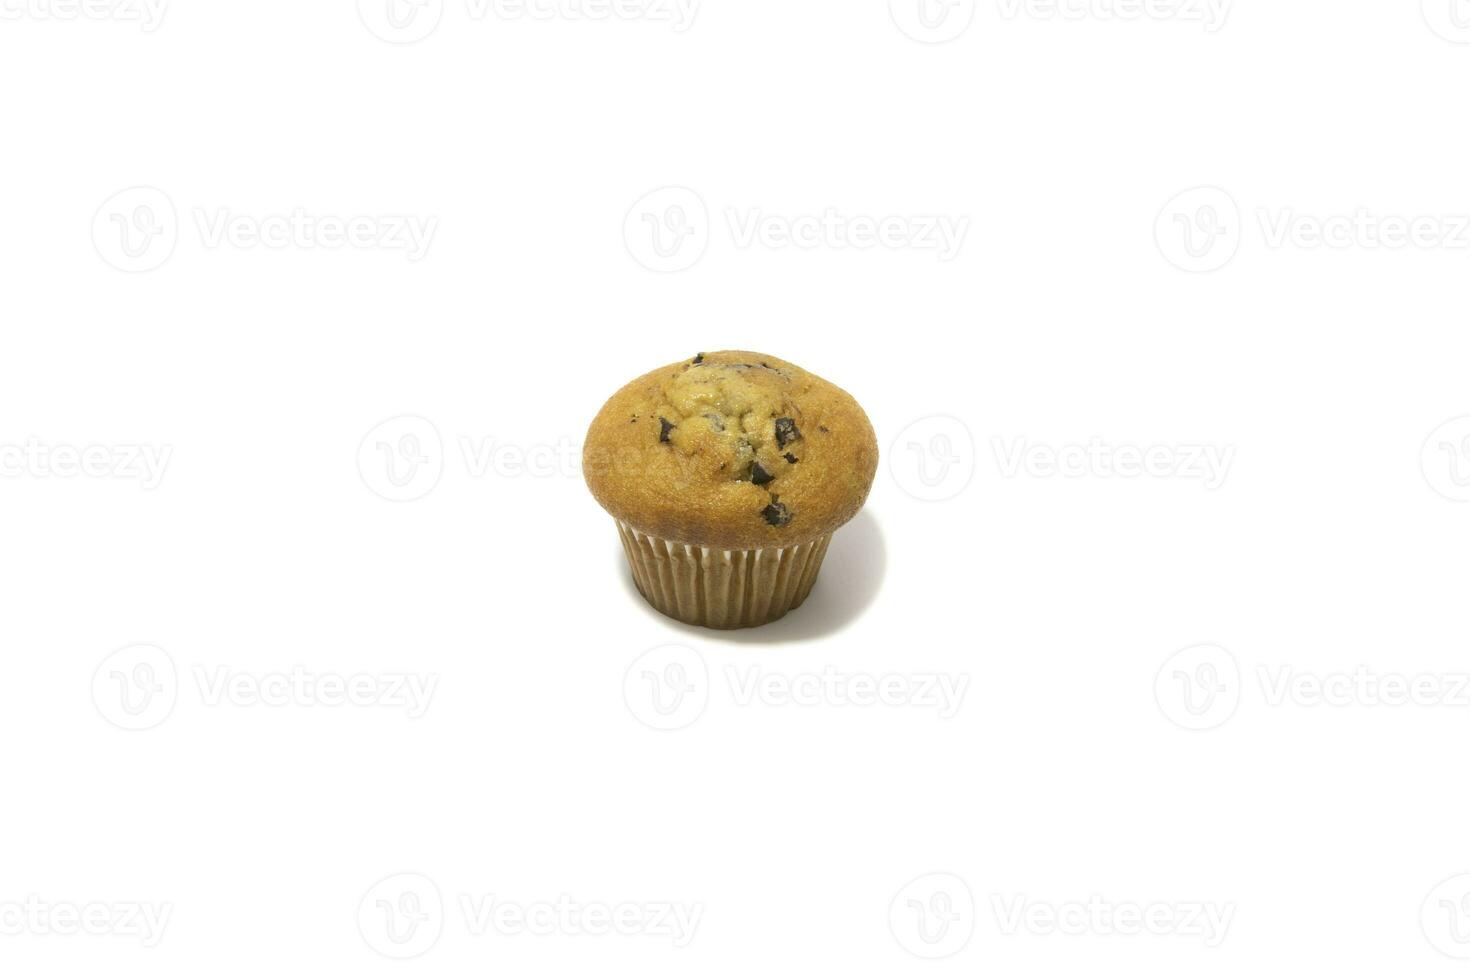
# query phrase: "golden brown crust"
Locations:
[[731, 450]]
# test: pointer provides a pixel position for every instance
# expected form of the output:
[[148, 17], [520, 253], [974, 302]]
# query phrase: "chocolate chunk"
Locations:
[[664, 428], [786, 431], [758, 475], [699, 358], [777, 514], [791, 458]]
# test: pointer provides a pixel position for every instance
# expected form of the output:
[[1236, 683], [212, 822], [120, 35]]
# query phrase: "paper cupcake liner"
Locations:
[[719, 588]]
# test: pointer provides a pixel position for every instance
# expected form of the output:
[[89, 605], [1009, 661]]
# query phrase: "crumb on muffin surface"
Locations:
[[732, 449]]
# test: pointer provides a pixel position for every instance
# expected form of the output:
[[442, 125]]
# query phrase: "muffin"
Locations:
[[727, 474]]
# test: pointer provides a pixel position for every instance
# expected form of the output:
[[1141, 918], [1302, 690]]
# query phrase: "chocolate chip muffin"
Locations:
[[727, 474]]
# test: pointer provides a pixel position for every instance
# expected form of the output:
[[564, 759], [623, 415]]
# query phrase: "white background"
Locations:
[[1071, 770]]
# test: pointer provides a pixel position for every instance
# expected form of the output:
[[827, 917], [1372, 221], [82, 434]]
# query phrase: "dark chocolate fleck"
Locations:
[[790, 458], [664, 428], [777, 514], [786, 431], [758, 475], [823, 428]]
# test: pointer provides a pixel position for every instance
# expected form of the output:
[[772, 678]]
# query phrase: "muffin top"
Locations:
[[731, 450]]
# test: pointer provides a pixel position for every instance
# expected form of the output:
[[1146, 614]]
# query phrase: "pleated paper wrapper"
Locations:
[[719, 588]]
